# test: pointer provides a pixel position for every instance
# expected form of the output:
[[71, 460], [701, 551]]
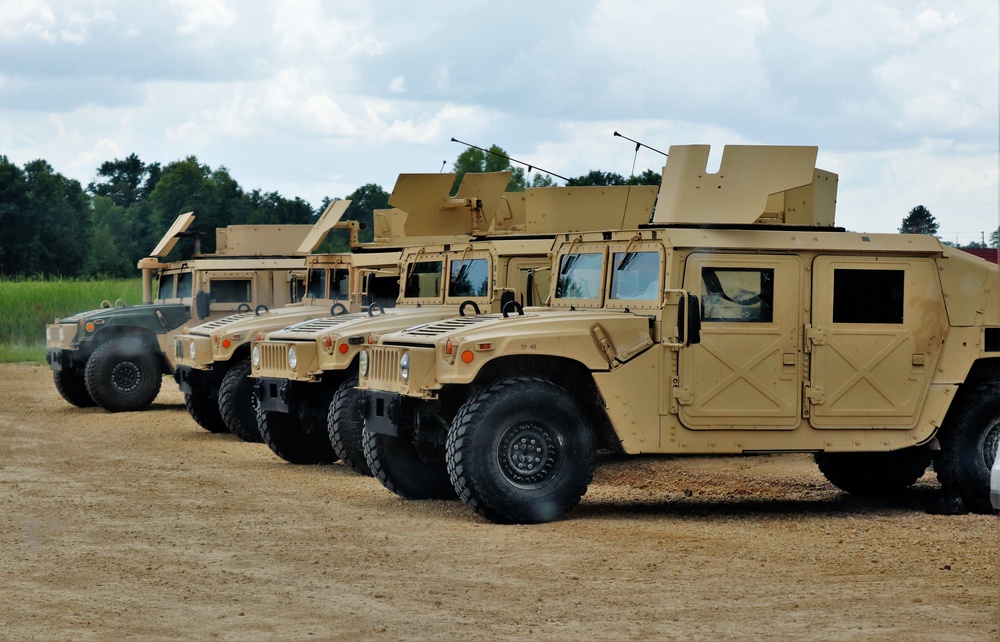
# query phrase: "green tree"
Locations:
[[995, 238], [476, 160], [919, 221], [111, 234]]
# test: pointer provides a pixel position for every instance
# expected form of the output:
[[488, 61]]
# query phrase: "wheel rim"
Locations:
[[126, 377], [990, 440], [529, 454]]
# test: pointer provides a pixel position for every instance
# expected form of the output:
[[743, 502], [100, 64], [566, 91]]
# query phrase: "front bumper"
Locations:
[[59, 359], [183, 376]]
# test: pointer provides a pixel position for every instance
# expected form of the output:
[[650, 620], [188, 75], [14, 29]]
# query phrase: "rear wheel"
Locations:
[[346, 427], [73, 388], [521, 451], [874, 473], [294, 441], [969, 438], [411, 470], [238, 403], [123, 374]]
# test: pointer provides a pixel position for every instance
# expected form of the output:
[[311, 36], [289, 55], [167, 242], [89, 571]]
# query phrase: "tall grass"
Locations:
[[27, 305]]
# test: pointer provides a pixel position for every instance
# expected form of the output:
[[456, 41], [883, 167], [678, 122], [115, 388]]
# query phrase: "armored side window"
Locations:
[[184, 283], [423, 279], [230, 290], [317, 284], [165, 289], [340, 283], [469, 278], [382, 290], [579, 276], [635, 276], [868, 296], [737, 294]]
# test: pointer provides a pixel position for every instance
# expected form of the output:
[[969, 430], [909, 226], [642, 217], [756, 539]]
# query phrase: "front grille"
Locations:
[[273, 356], [383, 367]]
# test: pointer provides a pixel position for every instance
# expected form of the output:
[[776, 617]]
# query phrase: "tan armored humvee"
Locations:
[[115, 356], [213, 359], [739, 321], [307, 372]]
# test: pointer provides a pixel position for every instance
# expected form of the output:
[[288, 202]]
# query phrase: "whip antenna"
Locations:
[[569, 181]]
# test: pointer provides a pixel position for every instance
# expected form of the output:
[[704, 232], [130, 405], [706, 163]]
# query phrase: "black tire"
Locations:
[[969, 437], [880, 473], [294, 442], [488, 463], [123, 374], [204, 410], [73, 388], [238, 403], [346, 427], [412, 471]]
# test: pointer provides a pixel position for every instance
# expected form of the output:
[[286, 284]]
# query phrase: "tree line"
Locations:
[[54, 226]]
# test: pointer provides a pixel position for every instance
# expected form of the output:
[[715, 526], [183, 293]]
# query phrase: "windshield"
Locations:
[[317, 284], [184, 283], [340, 284], [580, 276], [636, 276], [469, 278], [423, 279], [165, 289]]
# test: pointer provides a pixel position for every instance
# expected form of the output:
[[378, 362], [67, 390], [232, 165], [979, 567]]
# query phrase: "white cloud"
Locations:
[[398, 85], [205, 15]]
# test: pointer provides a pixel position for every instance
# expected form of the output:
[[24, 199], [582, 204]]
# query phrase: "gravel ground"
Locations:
[[144, 526]]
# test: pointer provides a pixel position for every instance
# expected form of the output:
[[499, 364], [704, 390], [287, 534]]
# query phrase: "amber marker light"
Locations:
[[226, 343], [90, 326], [343, 348], [467, 356], [484, 347]]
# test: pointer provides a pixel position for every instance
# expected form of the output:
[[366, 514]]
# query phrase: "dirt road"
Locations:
[[143, 526]]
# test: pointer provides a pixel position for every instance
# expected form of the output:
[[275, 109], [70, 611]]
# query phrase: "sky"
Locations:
[[312, 99]]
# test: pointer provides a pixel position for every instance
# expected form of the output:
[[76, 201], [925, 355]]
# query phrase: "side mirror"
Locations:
[[689, 319], [201, 304]]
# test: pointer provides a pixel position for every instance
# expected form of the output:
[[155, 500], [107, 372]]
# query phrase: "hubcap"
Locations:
[[126, 376], [528, 455]]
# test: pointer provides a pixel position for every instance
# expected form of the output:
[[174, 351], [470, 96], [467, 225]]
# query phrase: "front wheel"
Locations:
[[521, 451], [238, 403], [123, 374], [411, 470], [73, 388], [875, 473], [293, 440], [204, 409], [346, 427], [969, 437]]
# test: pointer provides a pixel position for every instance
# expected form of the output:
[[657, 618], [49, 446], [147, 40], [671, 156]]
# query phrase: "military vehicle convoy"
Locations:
[[738, 320], [115, 357], [213, 359], [307, 411]]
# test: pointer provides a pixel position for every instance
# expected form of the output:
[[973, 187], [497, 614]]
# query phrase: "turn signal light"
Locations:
[[467, 356], [449, 347]]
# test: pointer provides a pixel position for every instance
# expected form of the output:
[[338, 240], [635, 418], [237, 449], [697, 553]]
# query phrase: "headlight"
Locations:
[[404, 367], [62, 334], [191, 351], [293, 359], [48, 335], [363, 363], [255, 356]]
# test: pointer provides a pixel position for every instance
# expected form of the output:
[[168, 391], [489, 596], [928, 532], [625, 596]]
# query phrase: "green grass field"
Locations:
[[26, 306]]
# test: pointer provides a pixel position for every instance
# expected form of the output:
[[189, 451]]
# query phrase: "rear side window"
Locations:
[[469, 278], [230, 291], [868, 296], [423, 279], [737, 294]]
